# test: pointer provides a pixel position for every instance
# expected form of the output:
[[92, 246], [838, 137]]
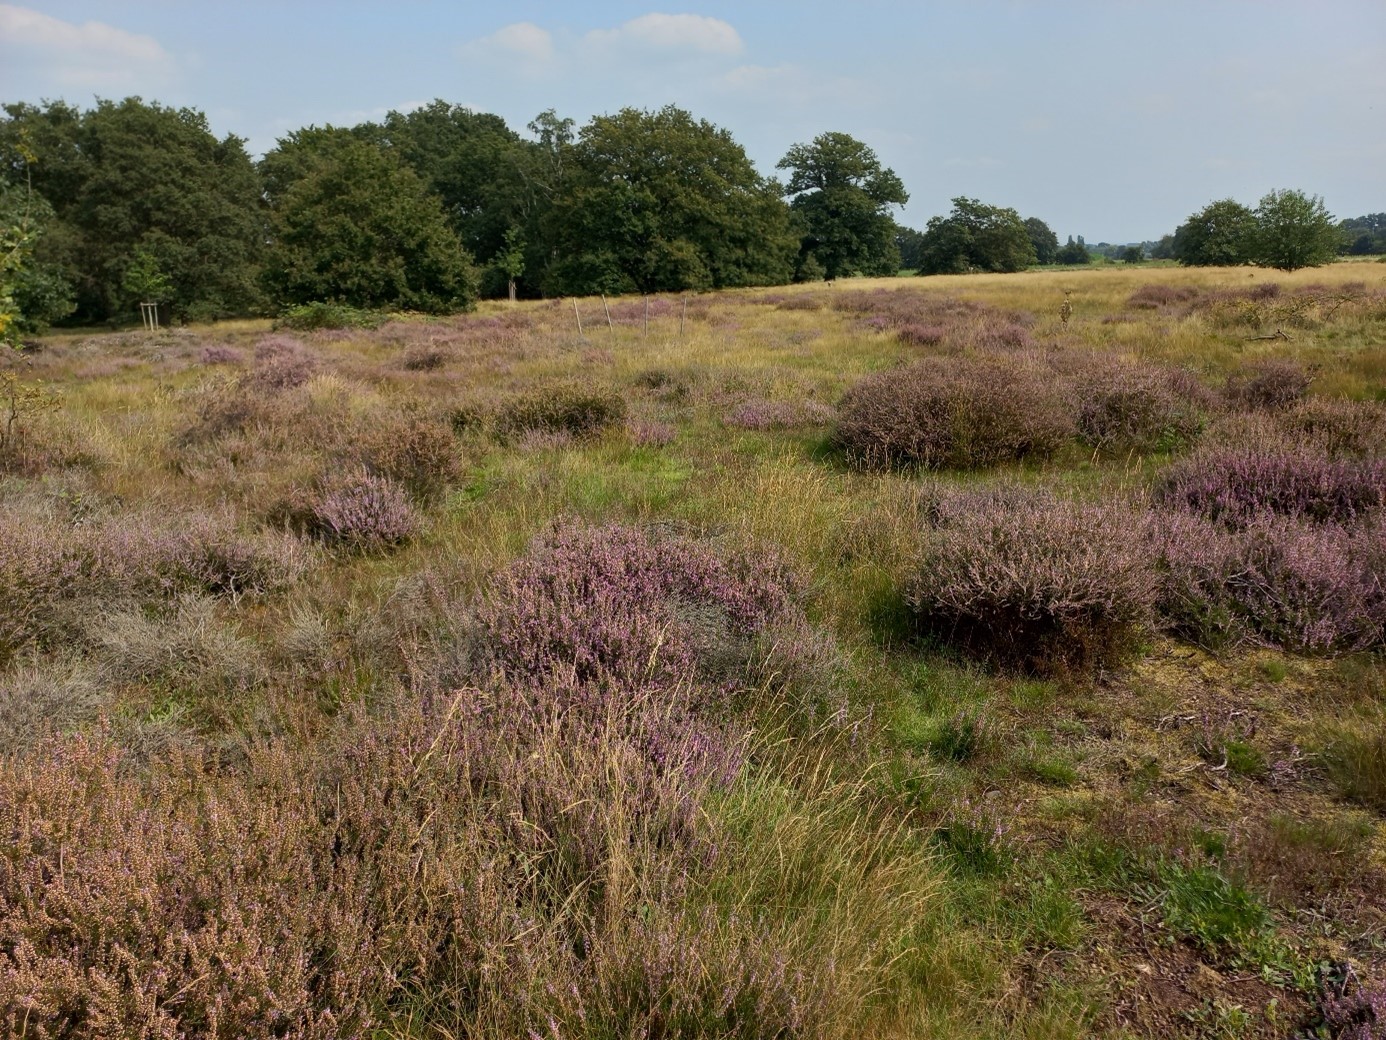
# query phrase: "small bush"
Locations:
[[35, 702], [1158, 296], [1235, 485], [1272, 385], [310, 317], [359, 512], [1355, 1011], [1045, 586], [1140, 408], [652, 434], [412, 450], [581, 411], [218, 354], [1339, 428], [281, 363], [1304, 587], [954, 413]]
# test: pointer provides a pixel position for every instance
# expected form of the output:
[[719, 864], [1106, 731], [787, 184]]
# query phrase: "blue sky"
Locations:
[[1113, 120]]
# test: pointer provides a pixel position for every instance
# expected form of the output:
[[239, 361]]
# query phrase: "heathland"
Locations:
[[989, 655]]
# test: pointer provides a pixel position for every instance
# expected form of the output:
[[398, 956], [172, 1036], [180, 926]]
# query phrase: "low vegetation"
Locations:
[[893, 659]]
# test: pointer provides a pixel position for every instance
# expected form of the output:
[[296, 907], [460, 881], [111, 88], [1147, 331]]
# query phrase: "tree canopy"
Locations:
[[1219, 235], [657, 201], [357, 226], [1293, 230], [976, 237], [129, 176], [1043, 240], [841, 197]]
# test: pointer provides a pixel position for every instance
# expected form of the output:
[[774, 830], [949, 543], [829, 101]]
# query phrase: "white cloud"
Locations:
[[88, 54], [521, 40], [671, 32]]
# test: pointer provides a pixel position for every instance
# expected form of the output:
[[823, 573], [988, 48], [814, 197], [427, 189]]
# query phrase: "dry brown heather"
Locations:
[[886, 659]]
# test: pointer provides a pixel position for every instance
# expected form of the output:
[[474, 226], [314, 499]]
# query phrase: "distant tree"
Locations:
[[1163, 249], [910, 243], [660, 201], [145, 280], [1221, 234], [1042, 240], [841, 196], [1362, 236], [1293, 230], [361, 228], [1132, 255], [976, 237], [1073, 252], [127, 176]]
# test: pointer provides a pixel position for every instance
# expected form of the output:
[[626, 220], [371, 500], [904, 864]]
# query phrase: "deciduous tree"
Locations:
[[361, 228], [1219, 235], [1294, 230], [841, 196], [976, 237]]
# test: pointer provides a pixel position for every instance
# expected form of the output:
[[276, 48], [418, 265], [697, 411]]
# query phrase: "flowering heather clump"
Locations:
[[917, 334], [1357, 1012], [425, 358], [958, 413], [577, 410], [360, 512], [1233, 485], [281, 362], [322, 889], [206, 554], [1273, 384], [760, 414], [1310, 588], [615, 605], [1041, 584]]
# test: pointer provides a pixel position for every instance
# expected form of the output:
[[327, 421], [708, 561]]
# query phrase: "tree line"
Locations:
[[424, 210], [427, 210]]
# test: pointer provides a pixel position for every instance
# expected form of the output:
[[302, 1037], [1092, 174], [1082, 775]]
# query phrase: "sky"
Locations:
[[1110, 119]]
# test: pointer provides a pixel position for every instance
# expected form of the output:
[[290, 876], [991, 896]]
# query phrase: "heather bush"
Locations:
[[1235, 485], [1040, 584], [412, 450], [1139, 408], [357, 512], [619, 606], [581, 411], [954, 413], [1310, 588], [1353, 1010], [281, 363], [1273, 384], [1337, 427], [220, 354]]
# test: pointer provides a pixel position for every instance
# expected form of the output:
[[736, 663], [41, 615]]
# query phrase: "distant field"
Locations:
[[894, 658]]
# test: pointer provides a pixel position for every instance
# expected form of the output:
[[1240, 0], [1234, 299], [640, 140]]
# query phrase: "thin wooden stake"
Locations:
[[578, 317], [608, 311]]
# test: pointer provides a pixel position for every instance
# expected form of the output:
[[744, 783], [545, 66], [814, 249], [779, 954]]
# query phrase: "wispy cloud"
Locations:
[[670, 32], [89, 54]]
